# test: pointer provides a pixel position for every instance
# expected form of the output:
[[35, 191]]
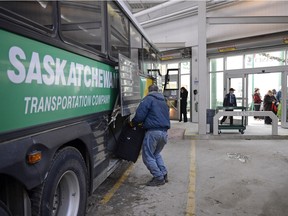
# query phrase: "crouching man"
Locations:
[[153, 113]]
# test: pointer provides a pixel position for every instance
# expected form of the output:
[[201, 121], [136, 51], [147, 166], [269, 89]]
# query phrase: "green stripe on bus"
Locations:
[[40, 83]]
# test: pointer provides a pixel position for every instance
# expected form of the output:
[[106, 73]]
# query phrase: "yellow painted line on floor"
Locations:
[[117, 185], [190, 208]]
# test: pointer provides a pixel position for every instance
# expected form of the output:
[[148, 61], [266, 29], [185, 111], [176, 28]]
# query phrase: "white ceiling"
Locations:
[[149, 13], [174, 22], [136, 6]]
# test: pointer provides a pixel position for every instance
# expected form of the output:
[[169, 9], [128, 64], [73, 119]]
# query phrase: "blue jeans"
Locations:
[[153, 143]]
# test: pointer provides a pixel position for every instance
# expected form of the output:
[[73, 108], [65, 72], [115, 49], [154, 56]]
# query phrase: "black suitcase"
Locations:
[[129, 143]]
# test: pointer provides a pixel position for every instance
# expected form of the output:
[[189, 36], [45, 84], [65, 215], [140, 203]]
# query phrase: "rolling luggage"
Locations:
[[129, 143]]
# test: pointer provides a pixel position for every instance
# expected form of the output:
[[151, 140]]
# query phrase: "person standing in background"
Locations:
[[274, 93], [279, 95], [267, 104], [229, 101], [183, 104], [257, 101]]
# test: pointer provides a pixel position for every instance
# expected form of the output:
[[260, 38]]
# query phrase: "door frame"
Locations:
[[173, 94], [241, 73], [227, 86], [284, 99]]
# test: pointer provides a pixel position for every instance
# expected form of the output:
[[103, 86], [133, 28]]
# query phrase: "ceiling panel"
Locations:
[[136, 6]]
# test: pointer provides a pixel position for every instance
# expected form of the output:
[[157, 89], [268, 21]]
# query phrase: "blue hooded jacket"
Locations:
[[153, 112]]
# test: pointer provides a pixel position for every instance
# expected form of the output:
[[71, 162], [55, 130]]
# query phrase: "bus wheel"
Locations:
[[64, 191]]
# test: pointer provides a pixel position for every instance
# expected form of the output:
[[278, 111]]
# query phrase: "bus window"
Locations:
[[155, 59], [136, 44], [146, 57], [82, 22], [119, 31], [29, 12]]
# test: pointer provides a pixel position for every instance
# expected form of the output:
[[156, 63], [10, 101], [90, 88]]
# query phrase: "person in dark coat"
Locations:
[[268, 101], [153, 113], [183, 104], [229, 101]]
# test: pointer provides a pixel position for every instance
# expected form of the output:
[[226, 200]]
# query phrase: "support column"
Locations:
[[194, 85], [203, 75]]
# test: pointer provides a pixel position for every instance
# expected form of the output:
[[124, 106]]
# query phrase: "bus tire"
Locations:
[[64, 190]]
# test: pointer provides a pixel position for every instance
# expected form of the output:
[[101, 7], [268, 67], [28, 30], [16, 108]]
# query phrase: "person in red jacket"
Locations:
[[257, 101]]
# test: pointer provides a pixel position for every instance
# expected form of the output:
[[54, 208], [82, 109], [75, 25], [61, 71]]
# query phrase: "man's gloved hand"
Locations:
[[131, 124]]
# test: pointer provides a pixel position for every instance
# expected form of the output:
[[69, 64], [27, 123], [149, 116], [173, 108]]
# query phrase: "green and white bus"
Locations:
[[71, 74]]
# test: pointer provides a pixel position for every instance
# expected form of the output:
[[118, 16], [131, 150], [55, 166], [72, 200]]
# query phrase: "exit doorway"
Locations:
[[245, 84]]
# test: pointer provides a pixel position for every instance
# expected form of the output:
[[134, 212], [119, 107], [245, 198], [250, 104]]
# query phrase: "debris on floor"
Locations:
[[242, 158]]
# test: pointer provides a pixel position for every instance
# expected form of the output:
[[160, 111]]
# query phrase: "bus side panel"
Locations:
[[13, 154], [90, 137]]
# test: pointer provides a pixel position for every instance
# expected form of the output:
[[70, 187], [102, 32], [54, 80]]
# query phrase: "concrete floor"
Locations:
[[228, 174]]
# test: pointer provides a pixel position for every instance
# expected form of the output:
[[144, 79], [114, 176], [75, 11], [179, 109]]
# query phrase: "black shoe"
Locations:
[[155, 182], [166, 178]]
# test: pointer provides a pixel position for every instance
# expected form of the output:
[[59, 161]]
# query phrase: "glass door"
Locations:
[[171, 92], [240, 84]]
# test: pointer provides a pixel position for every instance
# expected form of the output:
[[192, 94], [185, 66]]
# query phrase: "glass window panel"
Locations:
[[119, 41], [163, 71], [172, 66], [268, 59], [266, 81], [216, 64], [82, 22], [234, 62], [136, 44], [249, 61], [173, 82], [150, 57], [154, 58], [263, 81], [145, 56], [216, 89], [173, 78], [237, 84], [40, 12], [185, 68]]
